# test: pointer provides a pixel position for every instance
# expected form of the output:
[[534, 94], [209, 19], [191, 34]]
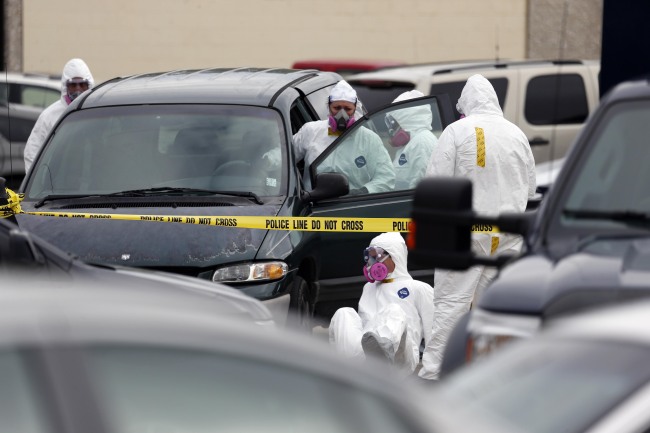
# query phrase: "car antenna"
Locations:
[[496, 44]]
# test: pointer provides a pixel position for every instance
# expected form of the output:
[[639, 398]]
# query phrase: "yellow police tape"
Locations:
[[309, 224]]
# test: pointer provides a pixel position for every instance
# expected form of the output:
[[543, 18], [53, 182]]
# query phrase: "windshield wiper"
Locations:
[[144, 192], [630, 217], [177, 191], [54, 197]]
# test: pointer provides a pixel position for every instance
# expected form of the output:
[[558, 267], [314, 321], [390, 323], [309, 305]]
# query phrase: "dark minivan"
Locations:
[[213, 142]]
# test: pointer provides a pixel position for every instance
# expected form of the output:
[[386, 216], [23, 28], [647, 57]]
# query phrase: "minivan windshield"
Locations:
[[204, 147]]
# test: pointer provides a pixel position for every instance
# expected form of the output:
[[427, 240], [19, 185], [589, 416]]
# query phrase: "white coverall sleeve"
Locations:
[[443, 157], [38, 135], [383, 177]]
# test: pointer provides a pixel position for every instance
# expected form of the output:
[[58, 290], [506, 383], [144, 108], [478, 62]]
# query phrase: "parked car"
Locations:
[[22, 98], [111, 358], [34, 90], [192, 143], [586, 245], [586, 373], [548, 100], [344, 67]]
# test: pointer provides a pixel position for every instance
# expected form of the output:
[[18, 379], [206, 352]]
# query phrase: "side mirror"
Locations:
[[441, 228], [443, 221], [328, 185]]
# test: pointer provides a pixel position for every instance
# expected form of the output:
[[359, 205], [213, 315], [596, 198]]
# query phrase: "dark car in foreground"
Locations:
[[586, 373], [588, 244], [213, 143], [109, 358]]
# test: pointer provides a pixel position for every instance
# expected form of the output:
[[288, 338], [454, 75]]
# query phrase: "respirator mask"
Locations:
[[374, 269], [398, 136], [341, 121]]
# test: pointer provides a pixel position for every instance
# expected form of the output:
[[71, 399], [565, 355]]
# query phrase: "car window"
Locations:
[[577, 380], [377, 93], [20, 409], [389, 151], [111, 149], [614, 176], [177, 390], [35, 96], [455, 88], [556, 99]]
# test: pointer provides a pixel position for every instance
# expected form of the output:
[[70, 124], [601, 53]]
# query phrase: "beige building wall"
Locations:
[[565, 29], [122, 37]]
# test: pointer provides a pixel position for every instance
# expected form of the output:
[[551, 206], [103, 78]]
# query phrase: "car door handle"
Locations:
[[538, 141]]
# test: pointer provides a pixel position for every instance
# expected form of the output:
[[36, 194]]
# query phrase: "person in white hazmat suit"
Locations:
[[395, 311], [75, 79], [410, 132], [363, 158], [495, 154]]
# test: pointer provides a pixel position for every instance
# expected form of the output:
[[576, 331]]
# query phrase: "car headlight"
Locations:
[[251, 272], [487, 331]]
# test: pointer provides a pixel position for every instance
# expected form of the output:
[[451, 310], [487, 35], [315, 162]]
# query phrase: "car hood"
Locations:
[[606, 271], [151, 244]]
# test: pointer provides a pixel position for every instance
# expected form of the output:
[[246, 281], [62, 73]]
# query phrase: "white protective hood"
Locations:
[[393, 242], [478, 97], [73, 69], [413, 119]]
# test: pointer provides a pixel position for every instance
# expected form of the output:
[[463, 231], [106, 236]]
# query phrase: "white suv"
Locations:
[[548, 100]]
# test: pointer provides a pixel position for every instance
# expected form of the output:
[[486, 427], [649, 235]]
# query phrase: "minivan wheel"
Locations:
[[299, 306]]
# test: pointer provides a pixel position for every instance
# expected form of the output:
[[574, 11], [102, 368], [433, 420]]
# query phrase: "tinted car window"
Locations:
[[394, 165], [160, 389], [376, 94], [455, 88], [556, 99], [217, 148], [614, 174]]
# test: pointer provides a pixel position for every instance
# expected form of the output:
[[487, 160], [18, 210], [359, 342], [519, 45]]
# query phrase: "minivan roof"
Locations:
[[258, 86]]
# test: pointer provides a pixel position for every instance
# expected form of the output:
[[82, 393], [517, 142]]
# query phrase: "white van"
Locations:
[[549, 100]]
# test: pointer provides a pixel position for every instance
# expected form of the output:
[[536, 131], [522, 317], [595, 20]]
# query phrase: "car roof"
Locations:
[[412, 73], [255, 86], [44, 80]]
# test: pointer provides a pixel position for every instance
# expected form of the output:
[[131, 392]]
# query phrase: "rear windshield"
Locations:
[[377, 93], [112, 149]]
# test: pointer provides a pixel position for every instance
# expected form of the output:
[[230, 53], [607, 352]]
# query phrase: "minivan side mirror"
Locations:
[[328, 185], [442, 222]]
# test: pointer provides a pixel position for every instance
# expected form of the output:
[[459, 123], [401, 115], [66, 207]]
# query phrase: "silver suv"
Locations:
[[548, 100]]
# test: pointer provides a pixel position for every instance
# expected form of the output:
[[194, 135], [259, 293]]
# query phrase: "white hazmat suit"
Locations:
[[495, 154], [395, 308], [410, 162], [362, 158], [74, 68]]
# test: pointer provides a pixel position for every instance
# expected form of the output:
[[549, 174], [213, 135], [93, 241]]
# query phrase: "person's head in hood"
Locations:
[[389, 250], [478, 97], [405, 123], [342, 104], [75, 79]]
